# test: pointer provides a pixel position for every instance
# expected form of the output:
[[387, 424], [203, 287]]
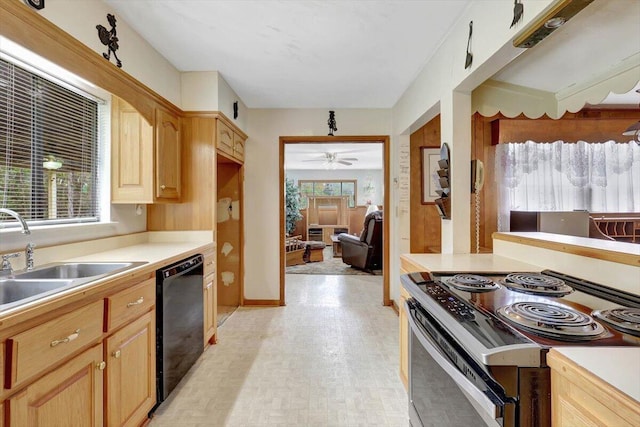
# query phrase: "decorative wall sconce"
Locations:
[[332, 122], [109, 39]]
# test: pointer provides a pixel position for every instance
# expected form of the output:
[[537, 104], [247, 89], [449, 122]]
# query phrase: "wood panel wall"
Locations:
[[589, 125], [424, 219], [356, 221]]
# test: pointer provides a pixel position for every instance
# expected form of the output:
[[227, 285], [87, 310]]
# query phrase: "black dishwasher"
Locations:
[[179, 322]]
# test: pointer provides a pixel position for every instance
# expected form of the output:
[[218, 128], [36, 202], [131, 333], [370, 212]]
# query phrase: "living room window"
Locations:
[[327, 188], [49, 147]]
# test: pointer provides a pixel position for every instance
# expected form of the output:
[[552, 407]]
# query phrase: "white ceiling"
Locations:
[[358, 53], [298, 54], [581, 51], [298, 156]]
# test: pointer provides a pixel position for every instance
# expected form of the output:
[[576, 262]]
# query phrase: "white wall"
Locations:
[[209, 91], [432, 92], [226, 97], [139, 58], [360, 175], [262, 210]]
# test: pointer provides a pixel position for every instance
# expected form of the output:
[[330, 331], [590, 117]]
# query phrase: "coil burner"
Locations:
[[622, 319], [536, 284], [472, 283], [552, 321]]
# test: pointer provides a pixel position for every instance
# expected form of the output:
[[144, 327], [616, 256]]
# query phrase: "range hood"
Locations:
[[554, 16]]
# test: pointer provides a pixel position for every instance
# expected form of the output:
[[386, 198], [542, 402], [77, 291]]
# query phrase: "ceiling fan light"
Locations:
[[633, 129]]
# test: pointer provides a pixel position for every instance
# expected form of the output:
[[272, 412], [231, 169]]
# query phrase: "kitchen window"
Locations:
[[49, 147]]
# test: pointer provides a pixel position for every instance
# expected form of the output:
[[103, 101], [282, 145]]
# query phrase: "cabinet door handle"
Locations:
[[116, 354], [136, 302], [162, 187], [101, 365], [70, 338]]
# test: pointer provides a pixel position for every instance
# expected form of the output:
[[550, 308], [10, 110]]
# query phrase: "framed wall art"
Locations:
[[429, 164]]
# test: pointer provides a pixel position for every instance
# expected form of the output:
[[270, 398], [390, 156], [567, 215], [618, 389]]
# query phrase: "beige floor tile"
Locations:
[[328, 358]]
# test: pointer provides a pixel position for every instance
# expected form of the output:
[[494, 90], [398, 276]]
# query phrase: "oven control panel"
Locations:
[[449, 302]]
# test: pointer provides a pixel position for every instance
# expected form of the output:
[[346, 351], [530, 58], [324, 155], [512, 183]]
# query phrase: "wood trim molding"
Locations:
[[395, 307], [386, 227], [216, 115], [26, 27], [262, 302], [596, 253]]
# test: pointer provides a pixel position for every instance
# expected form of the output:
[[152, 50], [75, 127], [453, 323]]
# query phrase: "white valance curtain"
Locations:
[[560, 176]]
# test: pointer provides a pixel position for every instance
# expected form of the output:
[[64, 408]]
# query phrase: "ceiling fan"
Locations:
[[332, 159]]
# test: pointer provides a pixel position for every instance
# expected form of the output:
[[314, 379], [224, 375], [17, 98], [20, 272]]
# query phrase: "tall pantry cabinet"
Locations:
[[211, 196]]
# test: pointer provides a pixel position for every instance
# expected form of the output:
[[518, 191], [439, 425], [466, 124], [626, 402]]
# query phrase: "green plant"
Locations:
[[291, 205]]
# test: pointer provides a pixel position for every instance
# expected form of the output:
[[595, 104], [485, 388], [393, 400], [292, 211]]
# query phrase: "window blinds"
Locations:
[[48, 149]]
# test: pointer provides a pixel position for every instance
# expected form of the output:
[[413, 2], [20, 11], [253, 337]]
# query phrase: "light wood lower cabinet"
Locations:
[[210, 300], [131, 372], [94, 365], [70, 395], [404, 339], [580, 399]]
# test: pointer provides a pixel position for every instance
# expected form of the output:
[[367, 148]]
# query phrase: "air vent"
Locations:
[[553, 18]]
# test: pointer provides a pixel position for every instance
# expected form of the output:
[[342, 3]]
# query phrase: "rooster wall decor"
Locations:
[[332, 123], [109, 39]]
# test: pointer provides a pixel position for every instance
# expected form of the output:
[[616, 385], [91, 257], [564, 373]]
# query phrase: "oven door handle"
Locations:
[[471, 390]]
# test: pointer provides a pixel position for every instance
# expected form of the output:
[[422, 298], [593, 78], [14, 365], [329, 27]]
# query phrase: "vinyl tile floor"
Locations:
[[329, 358]]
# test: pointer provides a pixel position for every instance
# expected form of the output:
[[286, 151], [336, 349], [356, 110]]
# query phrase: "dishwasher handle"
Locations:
[[182, 266]]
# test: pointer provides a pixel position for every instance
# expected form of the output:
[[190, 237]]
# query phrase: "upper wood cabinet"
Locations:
[[167, 156], [145, 158], [229, 141]]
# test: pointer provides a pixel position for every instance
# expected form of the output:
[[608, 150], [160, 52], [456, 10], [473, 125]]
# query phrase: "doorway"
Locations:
[[384, 141]]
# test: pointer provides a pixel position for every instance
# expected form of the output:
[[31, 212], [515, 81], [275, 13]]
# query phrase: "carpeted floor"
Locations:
[[330, 266]]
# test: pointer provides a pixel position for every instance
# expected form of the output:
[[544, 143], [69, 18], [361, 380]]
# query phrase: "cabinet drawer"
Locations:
[[35, 350], [224, 137], [209, 263], [238, 147], [129, 303]]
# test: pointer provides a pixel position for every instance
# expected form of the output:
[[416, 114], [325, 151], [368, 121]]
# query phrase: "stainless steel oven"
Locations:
[[446, 387], [478, 341]]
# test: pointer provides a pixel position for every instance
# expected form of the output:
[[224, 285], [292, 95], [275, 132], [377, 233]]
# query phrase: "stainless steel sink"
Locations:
[[23, 287], [78, 270], [12, 290]]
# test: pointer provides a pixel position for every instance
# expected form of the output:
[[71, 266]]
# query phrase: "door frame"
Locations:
[[382, 139]]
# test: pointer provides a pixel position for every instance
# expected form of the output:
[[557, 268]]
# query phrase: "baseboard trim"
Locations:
[[395, 307], [261, 302]]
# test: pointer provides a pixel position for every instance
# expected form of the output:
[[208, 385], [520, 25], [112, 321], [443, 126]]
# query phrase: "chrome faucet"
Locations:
[[18, 217], [28, 252]]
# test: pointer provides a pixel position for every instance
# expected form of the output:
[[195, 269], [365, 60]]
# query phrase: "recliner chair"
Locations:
[[364, 252]]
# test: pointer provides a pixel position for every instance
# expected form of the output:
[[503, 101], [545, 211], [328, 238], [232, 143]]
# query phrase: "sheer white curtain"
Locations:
[[560, 176]]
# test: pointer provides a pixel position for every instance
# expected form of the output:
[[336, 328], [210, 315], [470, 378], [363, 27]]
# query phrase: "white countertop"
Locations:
[[152, 253], [618, 366], [586, 242], [469, 262], [156, 250]]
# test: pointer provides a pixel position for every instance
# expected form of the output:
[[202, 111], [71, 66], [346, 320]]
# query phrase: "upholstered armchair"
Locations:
[[364, 252]]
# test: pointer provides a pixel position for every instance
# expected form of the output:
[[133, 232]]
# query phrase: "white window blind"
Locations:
[[48, 149]]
